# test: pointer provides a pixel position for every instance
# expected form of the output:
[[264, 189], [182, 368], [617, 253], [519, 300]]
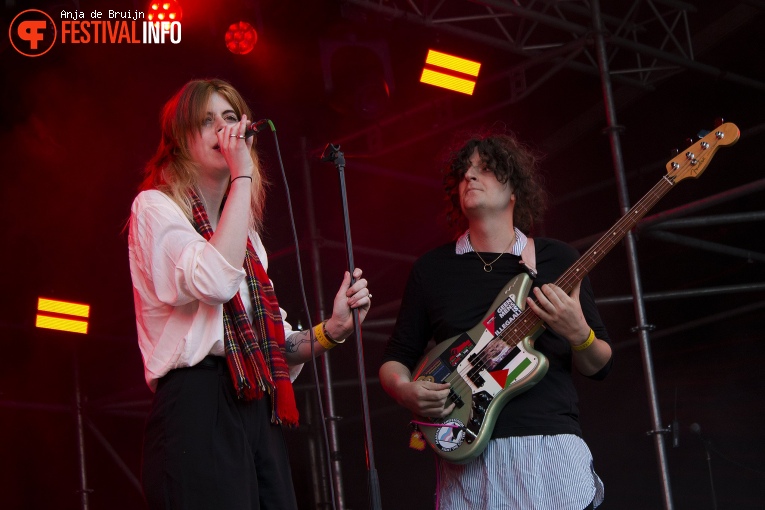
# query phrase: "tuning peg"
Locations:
[[719, 121]]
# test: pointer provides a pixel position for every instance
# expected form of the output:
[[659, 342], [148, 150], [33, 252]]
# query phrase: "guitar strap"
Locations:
[[529, 258]]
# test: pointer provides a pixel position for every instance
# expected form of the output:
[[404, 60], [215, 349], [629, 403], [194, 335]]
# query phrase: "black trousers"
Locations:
[[205, 450]]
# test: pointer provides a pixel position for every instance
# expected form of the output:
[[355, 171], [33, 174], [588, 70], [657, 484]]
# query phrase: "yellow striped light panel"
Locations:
[[71, 325], [62, 308], [447, 81], [458, 64], [437, 62]]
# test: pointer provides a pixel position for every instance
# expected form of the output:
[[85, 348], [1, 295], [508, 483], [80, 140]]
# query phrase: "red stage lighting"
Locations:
[[167, 11], [241, 38]]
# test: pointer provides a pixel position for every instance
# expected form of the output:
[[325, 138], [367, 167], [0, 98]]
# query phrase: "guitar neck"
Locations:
[[528, 322], [690, 163], [597, 251]]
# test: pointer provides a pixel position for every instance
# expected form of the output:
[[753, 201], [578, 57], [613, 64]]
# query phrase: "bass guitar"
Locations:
[[496, 360]]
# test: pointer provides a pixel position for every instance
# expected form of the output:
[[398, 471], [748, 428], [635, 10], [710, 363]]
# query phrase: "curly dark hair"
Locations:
[[512, 162]]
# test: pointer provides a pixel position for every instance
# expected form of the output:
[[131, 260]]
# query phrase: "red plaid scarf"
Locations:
[[254, 352]]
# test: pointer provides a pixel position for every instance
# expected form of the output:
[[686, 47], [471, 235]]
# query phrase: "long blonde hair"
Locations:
[[172, 169]]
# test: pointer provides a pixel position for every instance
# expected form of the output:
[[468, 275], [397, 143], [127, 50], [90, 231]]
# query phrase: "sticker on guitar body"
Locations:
[[497, 362], [484, 382], [503, 315], [450, 435], [440, 367]]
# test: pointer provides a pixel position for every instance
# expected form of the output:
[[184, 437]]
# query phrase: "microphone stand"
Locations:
[[711, 480], [332, 153], [695, 428]]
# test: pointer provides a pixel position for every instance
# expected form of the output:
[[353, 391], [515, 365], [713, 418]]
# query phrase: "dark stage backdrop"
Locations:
[[80, 122]]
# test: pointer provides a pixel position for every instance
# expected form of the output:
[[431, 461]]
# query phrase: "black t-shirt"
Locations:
[[447, 294]]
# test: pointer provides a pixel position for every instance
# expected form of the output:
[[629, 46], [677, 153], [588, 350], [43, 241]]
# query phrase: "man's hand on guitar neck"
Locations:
[[423, 398], [563, 314], [560, 312]]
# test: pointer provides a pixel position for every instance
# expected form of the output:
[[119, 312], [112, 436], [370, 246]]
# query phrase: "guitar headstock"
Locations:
[[694, 160]]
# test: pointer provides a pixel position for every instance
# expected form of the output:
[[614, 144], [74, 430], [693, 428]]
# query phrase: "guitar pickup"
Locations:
[[474, 374], [456, 399]]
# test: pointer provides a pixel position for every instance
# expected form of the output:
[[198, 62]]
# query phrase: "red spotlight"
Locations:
[[167, 11], [241, 38]]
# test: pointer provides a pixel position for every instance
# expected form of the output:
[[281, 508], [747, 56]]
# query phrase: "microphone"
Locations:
[[696, 429], [330, 153], [256, 127]]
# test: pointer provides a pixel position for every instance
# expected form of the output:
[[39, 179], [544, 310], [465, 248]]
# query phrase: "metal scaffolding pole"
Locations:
[[84, 491], [643, 327]]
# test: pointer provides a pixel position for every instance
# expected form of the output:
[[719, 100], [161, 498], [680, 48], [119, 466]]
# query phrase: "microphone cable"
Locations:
[[317, 384]]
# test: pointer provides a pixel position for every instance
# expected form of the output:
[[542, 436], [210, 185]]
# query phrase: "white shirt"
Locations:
[[180, 283]]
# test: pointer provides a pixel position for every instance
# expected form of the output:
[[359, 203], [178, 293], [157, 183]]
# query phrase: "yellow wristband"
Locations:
[[326, 333], [322, 337], [586, 344]]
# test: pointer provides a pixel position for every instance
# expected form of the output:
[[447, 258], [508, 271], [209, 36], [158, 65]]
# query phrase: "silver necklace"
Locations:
[[487, 265]]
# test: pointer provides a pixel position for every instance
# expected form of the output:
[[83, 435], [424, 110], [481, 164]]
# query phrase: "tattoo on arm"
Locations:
[[292, 342]]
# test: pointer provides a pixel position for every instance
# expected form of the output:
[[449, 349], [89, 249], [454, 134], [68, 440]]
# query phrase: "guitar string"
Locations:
[[459, 379], [526, 317], [569, 278], [482, 360], [573, 274]]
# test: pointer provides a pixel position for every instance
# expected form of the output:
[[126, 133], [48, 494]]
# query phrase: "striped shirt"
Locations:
[[523, 473], [464, 246], [544, 472]]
